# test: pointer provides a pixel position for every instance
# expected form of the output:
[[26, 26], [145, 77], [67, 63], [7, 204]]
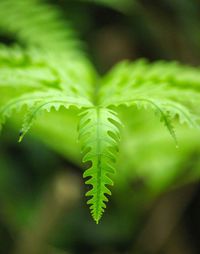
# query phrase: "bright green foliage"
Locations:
[[171, 89], [38, 24], [99, 134], [39, 101], [52, 72]]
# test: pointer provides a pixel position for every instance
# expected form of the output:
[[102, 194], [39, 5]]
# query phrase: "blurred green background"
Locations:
[[155, 204]]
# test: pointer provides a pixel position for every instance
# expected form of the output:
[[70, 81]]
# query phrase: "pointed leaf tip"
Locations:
[[21, 136]]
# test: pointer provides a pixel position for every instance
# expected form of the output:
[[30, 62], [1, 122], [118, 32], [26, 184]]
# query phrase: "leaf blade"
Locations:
[[170, 88], [99, 148], [37, 102]]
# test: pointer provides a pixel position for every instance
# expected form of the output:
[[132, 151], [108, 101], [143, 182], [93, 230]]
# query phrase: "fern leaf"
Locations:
[[37, 102], [168, 88], [38, 24], [20, 68], [99, 135], [163, 114], [33, 68], [53, 57]]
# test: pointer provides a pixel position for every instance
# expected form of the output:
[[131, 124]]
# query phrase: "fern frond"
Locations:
[[163, 114], [35, 68], [22, 68], [170, 88], [53, 58], [40, 24], [38, 102], [99, 134], [57, 74]]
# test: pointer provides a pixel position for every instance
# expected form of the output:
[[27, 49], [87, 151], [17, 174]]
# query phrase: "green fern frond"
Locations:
[[37, 102], [163, 114], [20, 68], [38, 24], [99, 134], [37, 69], [158, 85], [160, 79], [56, 73]]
